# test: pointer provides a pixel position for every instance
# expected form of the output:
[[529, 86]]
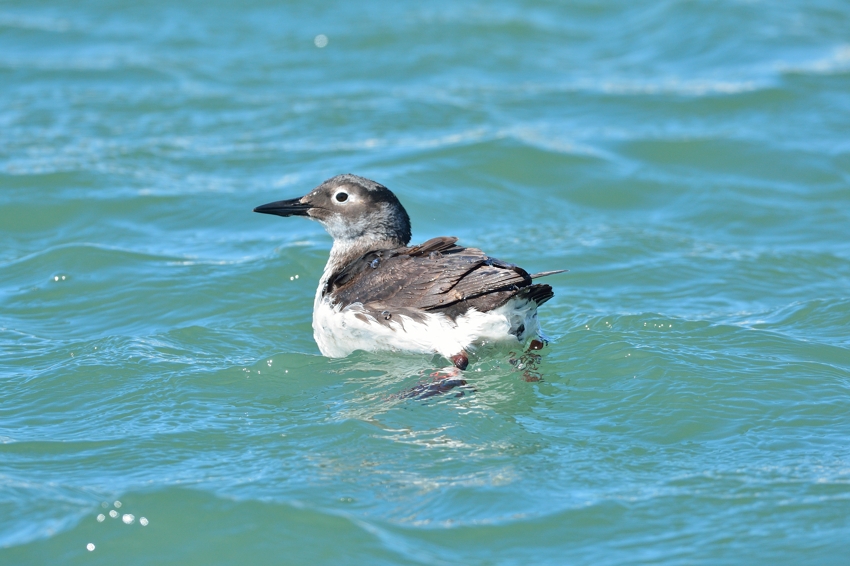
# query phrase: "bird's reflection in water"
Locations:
[[529, 362]]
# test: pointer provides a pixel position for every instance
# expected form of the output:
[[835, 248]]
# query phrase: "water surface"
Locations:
[[688, 162]]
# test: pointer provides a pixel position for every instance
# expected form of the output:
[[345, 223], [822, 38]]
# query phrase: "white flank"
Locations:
[[339, 331]]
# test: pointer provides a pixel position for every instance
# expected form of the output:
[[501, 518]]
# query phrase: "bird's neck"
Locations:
[[344, 252]]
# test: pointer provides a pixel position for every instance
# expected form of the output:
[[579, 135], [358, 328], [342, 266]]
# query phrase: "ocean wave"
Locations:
[[126, 63], [52, 250], [815, 320], [38, 23], [837, 62], [694, 87]]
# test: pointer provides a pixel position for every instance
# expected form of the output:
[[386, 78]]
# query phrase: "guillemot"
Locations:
[[377, 293]]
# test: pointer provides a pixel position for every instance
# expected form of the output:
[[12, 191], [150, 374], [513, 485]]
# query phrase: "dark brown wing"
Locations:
[[436, 276]]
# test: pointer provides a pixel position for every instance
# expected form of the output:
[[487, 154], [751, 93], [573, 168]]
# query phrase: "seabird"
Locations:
[[379, 294]]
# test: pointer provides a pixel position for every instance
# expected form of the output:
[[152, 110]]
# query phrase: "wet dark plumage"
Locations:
[[436, 276]]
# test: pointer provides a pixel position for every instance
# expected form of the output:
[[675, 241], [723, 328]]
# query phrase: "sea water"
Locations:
[[161, 397]]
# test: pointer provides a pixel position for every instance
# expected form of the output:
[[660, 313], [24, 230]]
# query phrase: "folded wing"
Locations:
[[436, 276]]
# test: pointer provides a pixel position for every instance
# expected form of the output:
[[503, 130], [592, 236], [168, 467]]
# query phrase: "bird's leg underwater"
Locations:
[[529, 362], [442, 380], [436, 387]]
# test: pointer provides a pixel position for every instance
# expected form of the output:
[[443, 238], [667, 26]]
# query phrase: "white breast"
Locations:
[[339, 331]]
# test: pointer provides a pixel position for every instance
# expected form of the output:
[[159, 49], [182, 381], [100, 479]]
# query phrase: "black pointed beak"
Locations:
[[291, 207]]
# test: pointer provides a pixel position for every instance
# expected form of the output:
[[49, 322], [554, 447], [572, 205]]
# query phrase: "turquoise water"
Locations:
[[688, 162]]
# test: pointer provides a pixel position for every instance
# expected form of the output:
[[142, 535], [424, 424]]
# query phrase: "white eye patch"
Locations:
[[342, 196]]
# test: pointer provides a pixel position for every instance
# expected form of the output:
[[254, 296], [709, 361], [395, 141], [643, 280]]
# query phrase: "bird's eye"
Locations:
[[341, 197]]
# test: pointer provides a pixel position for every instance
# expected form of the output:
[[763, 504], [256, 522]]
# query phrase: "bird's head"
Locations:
[[353, 210]]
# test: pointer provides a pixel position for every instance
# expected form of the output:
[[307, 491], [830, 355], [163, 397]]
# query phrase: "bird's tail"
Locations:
[[546, 273], [539, 293]]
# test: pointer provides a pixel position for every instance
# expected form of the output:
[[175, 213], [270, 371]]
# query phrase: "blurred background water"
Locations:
[[688, 161]]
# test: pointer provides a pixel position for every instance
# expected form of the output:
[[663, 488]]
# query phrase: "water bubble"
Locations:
[[296, 276], [113, 513], [105, 504], [56, 278], [117, 504], [90, 546], [320, 40], [63, 278], [101, 517], [292, 278], [128, 519], [143, 521]]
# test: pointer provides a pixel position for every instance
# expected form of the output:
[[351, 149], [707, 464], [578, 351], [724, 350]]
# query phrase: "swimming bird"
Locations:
[[379, 294]]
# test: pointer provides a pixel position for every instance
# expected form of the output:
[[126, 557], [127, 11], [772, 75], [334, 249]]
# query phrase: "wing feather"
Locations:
[[437, 275]]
